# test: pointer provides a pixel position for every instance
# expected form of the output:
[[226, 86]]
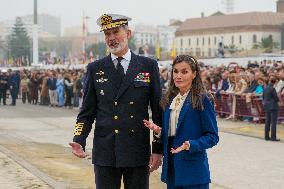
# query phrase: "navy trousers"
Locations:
[[270, 123], [110, 177]]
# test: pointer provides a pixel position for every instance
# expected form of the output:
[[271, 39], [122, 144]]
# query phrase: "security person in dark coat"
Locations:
[[3, 86], [13, 86], [270, 103], [117, 92]]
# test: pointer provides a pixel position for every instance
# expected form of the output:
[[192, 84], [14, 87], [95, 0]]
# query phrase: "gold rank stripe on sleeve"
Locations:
[[78, 129]]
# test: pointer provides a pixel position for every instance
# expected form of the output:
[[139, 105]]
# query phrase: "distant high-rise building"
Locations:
[[49, 24], [280, 6]]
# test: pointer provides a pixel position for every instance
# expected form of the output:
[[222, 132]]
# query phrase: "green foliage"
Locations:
[[268, 44], [231, 48], [19, 43]]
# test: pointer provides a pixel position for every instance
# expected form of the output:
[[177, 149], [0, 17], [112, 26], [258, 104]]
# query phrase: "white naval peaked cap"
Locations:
[[109, 21]]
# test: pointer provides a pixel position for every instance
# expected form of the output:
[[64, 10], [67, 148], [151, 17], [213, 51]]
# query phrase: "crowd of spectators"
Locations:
[[234, 80], [63, 87], [56, 88]]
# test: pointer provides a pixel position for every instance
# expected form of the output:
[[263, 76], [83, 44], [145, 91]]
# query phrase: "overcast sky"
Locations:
[[157, 12]]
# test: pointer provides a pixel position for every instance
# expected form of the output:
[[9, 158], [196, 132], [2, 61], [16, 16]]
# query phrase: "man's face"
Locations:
[[117, 39]]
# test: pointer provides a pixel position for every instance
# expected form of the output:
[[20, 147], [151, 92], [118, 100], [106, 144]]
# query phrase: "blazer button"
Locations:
[[115, 103], [132, 131], [115, 117], [131, 116], [116, 131], [131, 103]]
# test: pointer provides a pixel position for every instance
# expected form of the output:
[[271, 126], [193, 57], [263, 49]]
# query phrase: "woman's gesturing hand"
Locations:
[[184, 146], [152, 126]]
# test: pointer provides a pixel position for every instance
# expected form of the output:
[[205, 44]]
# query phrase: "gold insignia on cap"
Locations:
[[106, 19], [109, 21], [78, 129]]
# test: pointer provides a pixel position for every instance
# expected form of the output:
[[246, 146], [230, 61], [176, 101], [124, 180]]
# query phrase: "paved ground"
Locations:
[[39, 137]]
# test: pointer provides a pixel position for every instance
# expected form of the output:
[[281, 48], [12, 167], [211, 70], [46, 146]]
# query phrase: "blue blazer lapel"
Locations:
[[166, 121], [183, 111]]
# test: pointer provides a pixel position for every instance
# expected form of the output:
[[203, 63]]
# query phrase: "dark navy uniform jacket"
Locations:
[[270, 98], [120, 137]]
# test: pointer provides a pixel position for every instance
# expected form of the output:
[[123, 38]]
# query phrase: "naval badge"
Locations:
[[101, 73], [102, 92], [144, 77], [101, 80]]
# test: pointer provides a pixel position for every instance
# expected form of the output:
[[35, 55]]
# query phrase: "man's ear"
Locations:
[[129, 34]]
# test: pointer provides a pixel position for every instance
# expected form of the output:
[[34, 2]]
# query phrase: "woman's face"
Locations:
[[183, 76]]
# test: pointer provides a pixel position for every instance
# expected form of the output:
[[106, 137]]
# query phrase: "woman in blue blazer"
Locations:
[[189, 128]]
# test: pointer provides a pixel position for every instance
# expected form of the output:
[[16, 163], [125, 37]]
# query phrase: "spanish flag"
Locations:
[[158, 51], [173, 52]]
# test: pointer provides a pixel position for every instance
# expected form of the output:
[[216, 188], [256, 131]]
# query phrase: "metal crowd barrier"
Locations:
[[224, 103]]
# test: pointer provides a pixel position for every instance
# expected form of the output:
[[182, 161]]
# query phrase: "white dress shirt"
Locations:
[[175, 107], [124, 62]]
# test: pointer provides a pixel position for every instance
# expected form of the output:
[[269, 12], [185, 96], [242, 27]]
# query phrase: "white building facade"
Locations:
[[207, 45], [202, 37], [145, 35]]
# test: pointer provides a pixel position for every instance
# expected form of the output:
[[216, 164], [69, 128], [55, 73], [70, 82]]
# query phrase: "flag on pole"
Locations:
[[91, 56], [84, 39], [173, 52], [158, 51]]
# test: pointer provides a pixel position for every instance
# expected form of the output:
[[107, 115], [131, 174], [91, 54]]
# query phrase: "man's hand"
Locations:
[[77, 150], [155, 162]]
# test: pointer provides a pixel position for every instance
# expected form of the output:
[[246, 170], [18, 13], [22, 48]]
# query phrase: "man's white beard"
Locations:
[[120, 47]]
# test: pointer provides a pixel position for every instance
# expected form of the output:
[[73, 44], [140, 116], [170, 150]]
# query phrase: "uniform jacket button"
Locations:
[[115, 117], [116, 131]]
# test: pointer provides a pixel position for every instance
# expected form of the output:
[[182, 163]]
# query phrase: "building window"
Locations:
[[181, 43], [209, 41], [233, 40], [189, 42], [141, 34], [146, 35], [203, 41], [240, 39], [215, 40], [141, 41], [197, 52], [209, 52], [254, 38], [197, 41]]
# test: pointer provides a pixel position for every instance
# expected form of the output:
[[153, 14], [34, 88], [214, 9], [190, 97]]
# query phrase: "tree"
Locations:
[[231, 48], [19, 44], [267, 44]]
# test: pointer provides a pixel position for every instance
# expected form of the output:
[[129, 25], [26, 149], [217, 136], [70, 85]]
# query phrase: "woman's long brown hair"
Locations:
[[197, 90]]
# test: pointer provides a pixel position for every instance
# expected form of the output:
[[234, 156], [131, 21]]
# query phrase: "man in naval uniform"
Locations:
[[117, 92]]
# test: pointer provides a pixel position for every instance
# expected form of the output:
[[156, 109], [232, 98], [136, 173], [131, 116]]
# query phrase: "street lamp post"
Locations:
[[35, 36]]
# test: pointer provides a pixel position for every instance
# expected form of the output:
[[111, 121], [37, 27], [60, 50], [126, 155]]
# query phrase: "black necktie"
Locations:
[[119, 67]]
